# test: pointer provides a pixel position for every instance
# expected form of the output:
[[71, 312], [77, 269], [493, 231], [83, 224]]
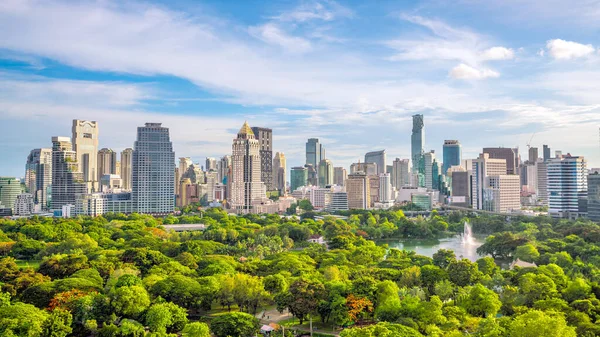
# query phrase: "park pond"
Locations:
[[464, 245]]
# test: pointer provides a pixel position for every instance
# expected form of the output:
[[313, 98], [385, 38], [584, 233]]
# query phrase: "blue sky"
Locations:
[[488, 73]]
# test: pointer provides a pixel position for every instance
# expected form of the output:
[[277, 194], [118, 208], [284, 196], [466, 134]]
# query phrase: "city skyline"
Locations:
[[498, 84]]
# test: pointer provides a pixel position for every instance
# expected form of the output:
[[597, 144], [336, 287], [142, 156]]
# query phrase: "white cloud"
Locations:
[[325, 10], [272, 34], [465, 72], [498, 53], [567, 50]]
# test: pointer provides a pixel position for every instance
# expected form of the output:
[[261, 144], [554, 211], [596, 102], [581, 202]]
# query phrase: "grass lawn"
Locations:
[[28, 263]]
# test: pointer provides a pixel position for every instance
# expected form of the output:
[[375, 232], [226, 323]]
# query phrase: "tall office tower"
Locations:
[[107, 162], [126, 166], [184, 164], [265, 138], [567, 182], [379, 158], [339, 176], [506, 153], [211, 183], [153, 178], [461, 187], [483, 168], [85, 145], [502, 193], [298, 178], [533, 154], [38, 175], [211, 164], [358, 189], [279, 171], [531, 171], [436, 175], [400, 173], [546, 153], [315, 152], [325, 173], [417, 141], [385, 187], [452, 154], [224, 169], [10, 188], [246, 185], [428, 159], [594, 196], [313, 175], [368, 168], [67, 179], [389, 169], [542, 182], [373, 189]]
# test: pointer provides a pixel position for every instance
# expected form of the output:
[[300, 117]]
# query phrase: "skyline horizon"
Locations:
[[200, 159]]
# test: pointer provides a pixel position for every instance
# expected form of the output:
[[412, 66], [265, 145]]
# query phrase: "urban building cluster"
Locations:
[[75, 177]]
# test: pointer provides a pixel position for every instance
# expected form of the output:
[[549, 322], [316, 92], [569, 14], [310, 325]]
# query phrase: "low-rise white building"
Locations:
[[24, 204]]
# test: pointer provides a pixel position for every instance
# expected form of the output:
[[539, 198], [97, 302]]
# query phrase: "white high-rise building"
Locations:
[[502, 193], [184, 163], [85, 144], [107, 163], [484, 167], [153, 188], [126, 167], [542, 182], [224, 168], [336, 200], [211, 164], [38, 175], [385, 187], [279, 169], [246, 185], [401, 174], [24, 204], [567, 182]]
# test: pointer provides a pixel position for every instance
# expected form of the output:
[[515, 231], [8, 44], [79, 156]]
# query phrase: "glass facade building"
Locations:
[[452, 155], [417, 141]]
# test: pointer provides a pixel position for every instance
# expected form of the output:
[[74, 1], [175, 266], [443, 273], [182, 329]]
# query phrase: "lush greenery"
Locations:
[[123, 275]]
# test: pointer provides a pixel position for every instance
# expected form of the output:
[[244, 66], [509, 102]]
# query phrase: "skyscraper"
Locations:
[[533, 154], [153, 178], [85, 145], [400, 173], [339, 176], [224, 169], [313, 175], [428, 159], [379, 158], [417, 141], [325, 173], [211, 164], [126, 167], [542, 182], [265, 139], [10, 188], [506, 153], [184, 163], [452, 154], [594, 196], [358, 189], [67, 180], [246, 185], [107, 162], [567, 182], [279, 172], [38, 175], [315, 152], [483, 168], [385, 188], [546, 153], [298, 177]]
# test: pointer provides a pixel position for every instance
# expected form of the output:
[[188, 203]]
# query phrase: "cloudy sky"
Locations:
[[488, 73]]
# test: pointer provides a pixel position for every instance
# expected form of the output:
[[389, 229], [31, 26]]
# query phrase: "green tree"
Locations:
[[235, 324], [305, 295], [58, 324], [443, 257], [537, 323], [527, 253], [130, 301], [21, 319], [163, 317], [481, 302], [196, 329], [463, 272]]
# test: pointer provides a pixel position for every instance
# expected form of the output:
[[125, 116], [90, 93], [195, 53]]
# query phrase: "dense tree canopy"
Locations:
[[127, 275]]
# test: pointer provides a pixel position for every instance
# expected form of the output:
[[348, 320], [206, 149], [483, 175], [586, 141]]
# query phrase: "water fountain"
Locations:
[[467, 237]]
